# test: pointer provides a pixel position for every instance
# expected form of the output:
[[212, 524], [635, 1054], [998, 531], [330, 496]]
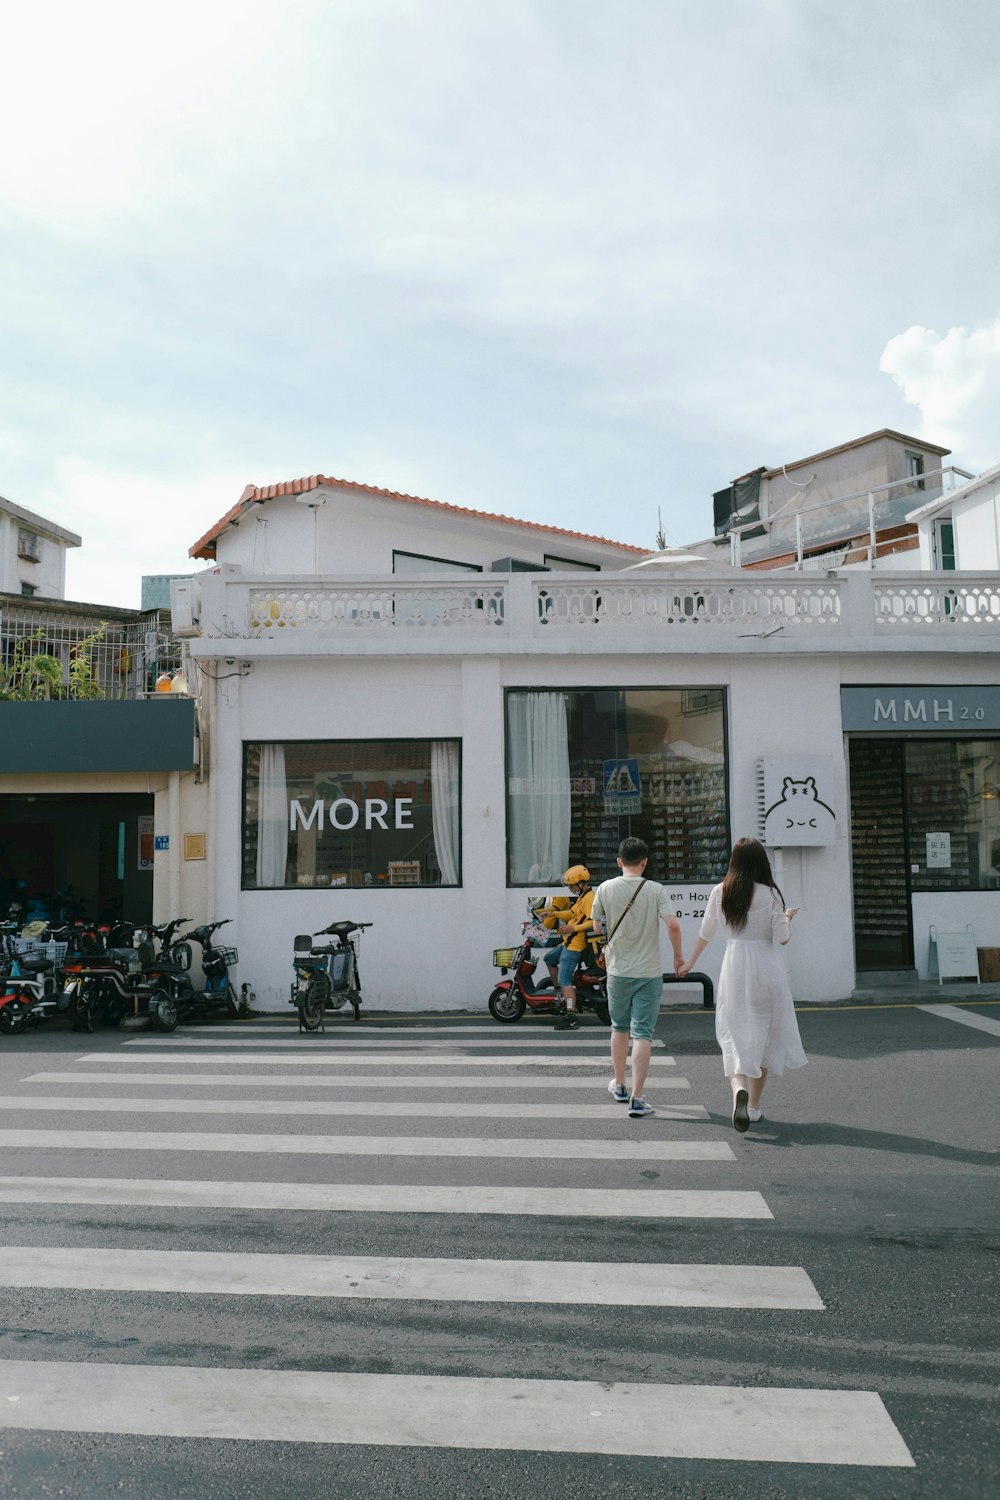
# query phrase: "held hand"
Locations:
[[681, 968], [790, 912]]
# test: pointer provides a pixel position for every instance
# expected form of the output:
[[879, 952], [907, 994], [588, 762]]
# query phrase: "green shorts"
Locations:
[[634, 1004]]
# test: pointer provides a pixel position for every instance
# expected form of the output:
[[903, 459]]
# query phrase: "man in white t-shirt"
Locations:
[[634, 966]]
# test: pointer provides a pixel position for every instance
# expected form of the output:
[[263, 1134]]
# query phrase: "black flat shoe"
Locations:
[[741, 1116]]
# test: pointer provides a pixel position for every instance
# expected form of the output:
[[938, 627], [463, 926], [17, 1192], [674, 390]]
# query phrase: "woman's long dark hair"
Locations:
[[748, 866]]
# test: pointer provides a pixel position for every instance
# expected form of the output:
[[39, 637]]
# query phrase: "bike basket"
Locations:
[[55, 951], [228, 956], [503, 958]]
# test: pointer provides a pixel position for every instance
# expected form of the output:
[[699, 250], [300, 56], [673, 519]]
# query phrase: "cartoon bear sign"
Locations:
[[796, 812]]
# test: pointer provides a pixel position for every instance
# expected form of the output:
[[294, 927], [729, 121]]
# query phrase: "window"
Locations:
[[351, 813], [952, 801], [569, 564], [414, 564], [915, 468], [587, 767], [29, 590], [944, 545]]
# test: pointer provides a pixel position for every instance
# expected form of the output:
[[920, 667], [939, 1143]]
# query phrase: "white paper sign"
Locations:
[[938, 851]]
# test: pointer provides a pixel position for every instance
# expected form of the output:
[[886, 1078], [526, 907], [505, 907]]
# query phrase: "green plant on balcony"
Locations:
[[33, 676]]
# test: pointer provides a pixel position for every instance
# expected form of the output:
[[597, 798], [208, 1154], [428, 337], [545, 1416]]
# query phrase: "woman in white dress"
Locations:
[[754, 1013]]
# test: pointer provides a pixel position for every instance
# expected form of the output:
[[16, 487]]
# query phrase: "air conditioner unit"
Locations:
[[29, 546], [185, 607]]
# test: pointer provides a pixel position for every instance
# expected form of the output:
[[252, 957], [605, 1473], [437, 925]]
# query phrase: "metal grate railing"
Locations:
[[56, 651]]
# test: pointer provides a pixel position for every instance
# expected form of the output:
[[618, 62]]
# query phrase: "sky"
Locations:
[[577, 261]]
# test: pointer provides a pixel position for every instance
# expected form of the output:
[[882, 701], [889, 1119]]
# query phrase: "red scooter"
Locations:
[[520, 992]]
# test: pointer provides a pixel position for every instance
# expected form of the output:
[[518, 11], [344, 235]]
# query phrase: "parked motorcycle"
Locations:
[[107, 987], [218, 993], [28, 990], [521, 992], [327, 976]]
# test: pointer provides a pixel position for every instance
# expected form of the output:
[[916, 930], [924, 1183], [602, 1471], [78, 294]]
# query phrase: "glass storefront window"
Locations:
[[586, 767], [952, 792], [351, 813]]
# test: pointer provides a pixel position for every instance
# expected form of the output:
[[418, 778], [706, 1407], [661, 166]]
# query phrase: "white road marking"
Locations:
[[761, 1425], [964, 1017], [345, 1044], [448, 1110], [568, 1283], [350, 1081], [368, 1198], [535, 1149], [309, 1058]]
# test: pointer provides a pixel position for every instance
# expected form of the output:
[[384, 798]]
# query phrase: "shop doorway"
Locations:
[[87, 855], [883, 923]]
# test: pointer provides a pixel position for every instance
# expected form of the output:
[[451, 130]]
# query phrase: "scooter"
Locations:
[[30, 990], [513, 996], [109, 986], [326, 976], [218, 993]]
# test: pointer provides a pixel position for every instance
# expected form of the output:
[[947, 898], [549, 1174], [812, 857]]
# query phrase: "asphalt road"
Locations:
[[410, 1351]]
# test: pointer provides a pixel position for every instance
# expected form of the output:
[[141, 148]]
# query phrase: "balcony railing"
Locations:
[[51, 650], [607, 612]]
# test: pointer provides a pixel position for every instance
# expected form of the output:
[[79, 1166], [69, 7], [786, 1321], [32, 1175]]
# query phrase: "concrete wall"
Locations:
[[47, 576]]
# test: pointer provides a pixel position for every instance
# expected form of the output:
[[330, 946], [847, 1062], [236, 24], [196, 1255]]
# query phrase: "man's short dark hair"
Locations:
[[633, 851]]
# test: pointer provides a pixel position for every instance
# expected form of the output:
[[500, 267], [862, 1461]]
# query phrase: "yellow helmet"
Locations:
[[575, 875]]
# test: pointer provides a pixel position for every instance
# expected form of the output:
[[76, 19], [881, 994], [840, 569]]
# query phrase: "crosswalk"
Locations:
[[300, 1134]]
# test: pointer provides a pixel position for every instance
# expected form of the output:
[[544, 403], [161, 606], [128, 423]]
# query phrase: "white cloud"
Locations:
[[954, 380]]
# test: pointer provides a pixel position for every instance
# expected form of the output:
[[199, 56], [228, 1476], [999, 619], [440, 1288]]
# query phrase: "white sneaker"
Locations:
[[754, 1115]]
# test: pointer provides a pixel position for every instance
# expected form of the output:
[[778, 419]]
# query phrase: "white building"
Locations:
[[32, 553], [404, 720]]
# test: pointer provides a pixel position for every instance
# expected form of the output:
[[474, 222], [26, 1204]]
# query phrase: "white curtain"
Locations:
[[272, 817], [538, 772], [444, 807]]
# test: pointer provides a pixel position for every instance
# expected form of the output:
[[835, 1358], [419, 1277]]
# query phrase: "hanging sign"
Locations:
[[798, 801]]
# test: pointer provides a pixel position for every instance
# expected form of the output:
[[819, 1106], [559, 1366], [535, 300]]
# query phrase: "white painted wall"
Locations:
[[350, 533], [47, 576], [433, 948]]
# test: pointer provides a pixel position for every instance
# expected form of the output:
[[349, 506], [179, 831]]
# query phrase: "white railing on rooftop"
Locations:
[[617, 611], [664, 604]]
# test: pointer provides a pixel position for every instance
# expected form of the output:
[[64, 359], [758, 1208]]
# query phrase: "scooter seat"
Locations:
[[35, 965]]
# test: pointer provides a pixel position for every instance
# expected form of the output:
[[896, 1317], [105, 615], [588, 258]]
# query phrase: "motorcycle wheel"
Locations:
[[232, 1001], [84, 1006], [116, 1012], [311, 1007], [356, 1003], [13, 1016], [165, 1012], [506, 1004], [602, 1013]]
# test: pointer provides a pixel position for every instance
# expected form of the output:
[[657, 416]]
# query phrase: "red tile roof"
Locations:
[[255, 494]]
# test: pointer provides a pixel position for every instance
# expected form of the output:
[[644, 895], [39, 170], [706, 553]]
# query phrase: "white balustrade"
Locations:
[[937, 602], [368, 606], [706, 602]]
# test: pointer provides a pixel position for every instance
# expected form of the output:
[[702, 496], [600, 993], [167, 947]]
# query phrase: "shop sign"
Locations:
[[896, 710], [938, 851], [798, 801], [345, 813]]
